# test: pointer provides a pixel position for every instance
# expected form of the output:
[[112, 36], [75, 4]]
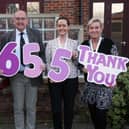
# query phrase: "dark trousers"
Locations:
[[65, 91], [98, 116]]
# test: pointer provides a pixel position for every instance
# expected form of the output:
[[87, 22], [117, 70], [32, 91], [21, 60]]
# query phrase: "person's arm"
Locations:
[[3, 40], [48, 55], [80, 66], [42, 47], [42, 50], [75, 53], [114, 50]]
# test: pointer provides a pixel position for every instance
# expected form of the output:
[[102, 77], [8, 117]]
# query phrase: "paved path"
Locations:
[[49, 126], [76, 125]]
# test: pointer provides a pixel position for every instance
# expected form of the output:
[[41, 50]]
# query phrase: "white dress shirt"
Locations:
[[18, 36]]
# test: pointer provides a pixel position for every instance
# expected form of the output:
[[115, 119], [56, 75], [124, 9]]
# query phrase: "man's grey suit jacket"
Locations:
[[33, 36]]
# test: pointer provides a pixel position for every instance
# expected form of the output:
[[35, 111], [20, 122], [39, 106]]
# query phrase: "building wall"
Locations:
[[77, 12], [70, 8]]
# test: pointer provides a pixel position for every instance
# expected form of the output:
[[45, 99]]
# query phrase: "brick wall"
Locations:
[[85, 16], [69, 8], [6, 104], [43, 104]]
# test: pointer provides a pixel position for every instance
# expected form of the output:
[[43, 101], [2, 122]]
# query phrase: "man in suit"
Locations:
[[24, 89]]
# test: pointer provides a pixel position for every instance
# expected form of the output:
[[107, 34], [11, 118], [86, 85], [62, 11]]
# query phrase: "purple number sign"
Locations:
[[9, 62], [59, 61], [28, 58]]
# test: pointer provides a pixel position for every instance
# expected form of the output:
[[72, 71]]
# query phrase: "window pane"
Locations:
[[117, 23], [48, 35], [98, 10], [1, 33], [2, 24], [10, 23], [33, 7], [73, 33], [37, 23], [49, 23], [12, 8]]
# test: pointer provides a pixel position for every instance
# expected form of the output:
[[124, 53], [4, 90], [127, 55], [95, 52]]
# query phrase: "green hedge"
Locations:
[[119, 112]]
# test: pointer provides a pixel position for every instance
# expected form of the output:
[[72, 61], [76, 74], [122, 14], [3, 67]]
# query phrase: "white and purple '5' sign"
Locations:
[[59, 61]]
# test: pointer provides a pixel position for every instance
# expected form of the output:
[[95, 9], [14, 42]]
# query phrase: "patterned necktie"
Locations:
[[22, 42]]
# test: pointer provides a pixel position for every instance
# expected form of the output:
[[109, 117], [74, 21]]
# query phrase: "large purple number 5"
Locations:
[[59, 62], [9, 62], [32, 59]]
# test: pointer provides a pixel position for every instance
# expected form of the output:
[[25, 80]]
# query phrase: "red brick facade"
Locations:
[[76, 10], [70, 8]]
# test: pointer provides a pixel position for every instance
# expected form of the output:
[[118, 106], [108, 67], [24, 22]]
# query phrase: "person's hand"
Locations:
[[51, 81], [112, 86], [1, 71], [43, 67], [74, 54], [84, 70]]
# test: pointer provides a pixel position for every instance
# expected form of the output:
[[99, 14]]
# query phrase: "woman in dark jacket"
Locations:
[[98, 96]]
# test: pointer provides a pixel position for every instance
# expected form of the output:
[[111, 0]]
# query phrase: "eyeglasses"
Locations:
[[20, 18]]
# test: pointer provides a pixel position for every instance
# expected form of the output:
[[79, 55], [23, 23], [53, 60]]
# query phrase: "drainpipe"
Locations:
[[81, 13]]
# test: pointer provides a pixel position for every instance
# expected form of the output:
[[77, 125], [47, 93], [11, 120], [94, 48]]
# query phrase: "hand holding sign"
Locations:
[[102, 68], [59, 61], [28, 58]]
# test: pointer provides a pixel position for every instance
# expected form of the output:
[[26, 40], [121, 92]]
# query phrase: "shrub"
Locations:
[[119, 112]]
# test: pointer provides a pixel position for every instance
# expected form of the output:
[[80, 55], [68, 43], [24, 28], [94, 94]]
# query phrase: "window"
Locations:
[[45, 23], [33, 7], [13, 7], [98, 10], [117, 24]]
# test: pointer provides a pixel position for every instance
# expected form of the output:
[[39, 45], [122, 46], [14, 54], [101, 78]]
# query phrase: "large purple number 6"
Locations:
[[28, 58], [9, 62], [59, 61]]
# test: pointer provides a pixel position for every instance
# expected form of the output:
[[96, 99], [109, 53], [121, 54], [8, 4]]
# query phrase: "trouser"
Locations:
[[98, 116], [24, 95], [65, 90]]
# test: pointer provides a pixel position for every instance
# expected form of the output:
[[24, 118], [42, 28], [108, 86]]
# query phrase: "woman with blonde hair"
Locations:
[[98, 97]]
